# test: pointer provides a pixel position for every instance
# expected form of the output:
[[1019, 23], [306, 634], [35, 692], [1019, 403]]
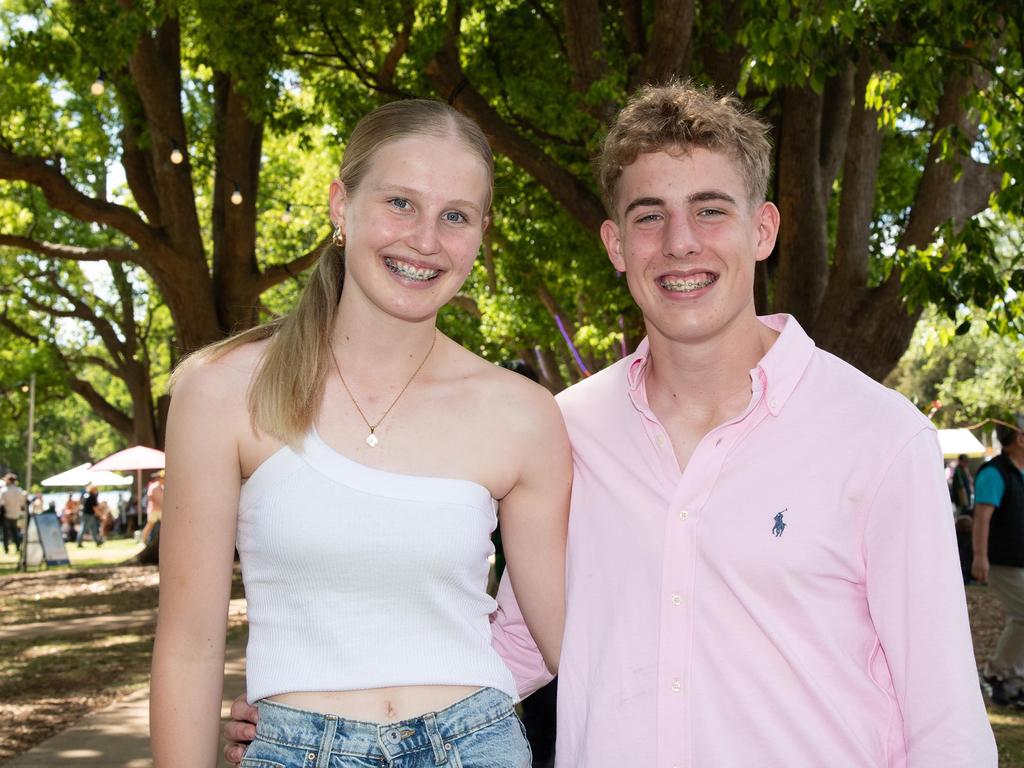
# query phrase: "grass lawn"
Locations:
[[113, 551], [1009, 729]]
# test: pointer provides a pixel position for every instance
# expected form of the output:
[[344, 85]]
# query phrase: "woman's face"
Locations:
[[413, 226]]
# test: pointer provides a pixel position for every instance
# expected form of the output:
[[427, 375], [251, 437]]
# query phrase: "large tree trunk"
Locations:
[[802, 271], [871, 327]]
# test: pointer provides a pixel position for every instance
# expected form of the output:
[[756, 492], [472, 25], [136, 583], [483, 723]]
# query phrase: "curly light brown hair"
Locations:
[[680, 115]]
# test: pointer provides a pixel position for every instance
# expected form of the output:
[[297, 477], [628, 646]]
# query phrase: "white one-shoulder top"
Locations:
[[361, 578]]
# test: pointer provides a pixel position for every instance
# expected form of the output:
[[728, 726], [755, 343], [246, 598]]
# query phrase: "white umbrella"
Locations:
[[957, 441], [82, 475]]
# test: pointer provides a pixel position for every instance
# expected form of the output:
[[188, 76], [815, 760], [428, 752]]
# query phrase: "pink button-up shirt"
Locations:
[[792, 599]]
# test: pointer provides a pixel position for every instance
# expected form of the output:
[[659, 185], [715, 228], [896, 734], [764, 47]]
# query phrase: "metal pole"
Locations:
[[31, 430], [23, 562]]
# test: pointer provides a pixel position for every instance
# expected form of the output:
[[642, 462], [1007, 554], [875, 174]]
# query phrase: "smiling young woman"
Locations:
[[356, 457]]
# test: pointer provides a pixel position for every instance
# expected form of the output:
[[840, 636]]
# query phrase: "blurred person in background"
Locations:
[[999, 558], [12, 501], [90, 522]]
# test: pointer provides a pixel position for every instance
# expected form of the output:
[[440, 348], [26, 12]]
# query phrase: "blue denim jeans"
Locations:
[[480, 731], [90, 525]]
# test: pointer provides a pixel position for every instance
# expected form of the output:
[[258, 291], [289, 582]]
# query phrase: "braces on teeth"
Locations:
[[687, 285], [410, 272]]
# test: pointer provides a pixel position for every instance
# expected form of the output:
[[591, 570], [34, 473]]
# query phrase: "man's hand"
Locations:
[[979, 568], [240, 730]]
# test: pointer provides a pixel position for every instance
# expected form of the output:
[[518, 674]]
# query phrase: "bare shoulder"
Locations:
[[217, 384], [521, 406]]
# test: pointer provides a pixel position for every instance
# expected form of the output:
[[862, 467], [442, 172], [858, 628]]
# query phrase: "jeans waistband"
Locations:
[[293, 727]]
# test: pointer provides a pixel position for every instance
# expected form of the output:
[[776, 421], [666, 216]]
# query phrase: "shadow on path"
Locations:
[[118, 736]]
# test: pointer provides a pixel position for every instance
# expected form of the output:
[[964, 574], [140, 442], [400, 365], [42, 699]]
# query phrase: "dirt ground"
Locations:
[[48, 684]]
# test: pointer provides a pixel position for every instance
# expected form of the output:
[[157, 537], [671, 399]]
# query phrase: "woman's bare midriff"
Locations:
[[378, 705]]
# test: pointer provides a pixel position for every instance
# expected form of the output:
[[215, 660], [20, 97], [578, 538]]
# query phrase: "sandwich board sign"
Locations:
[[43, 541]]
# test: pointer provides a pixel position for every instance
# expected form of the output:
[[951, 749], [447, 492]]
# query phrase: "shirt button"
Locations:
[[660, 439], [683, 514], [676, 686], [773, 403], [677, 599]]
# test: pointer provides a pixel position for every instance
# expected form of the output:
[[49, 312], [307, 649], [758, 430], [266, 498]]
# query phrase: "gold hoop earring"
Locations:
[[338, 238]]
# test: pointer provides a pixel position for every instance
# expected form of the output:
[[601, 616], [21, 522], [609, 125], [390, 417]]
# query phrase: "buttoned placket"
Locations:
[[688, 492]]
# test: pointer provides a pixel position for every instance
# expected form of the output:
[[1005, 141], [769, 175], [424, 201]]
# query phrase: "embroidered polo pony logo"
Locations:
[[780, 524]]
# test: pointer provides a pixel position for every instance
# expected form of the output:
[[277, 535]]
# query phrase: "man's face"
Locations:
[[688, 238]]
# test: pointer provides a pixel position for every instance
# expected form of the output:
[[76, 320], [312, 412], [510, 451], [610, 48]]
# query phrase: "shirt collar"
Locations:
[[778, 371]]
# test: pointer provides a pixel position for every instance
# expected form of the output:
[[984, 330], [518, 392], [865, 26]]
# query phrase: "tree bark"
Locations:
[[875, 325], [802, 272], [238, 145], [668, 49]]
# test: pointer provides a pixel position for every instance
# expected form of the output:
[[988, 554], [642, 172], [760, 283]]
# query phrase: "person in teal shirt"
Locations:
[[999, 558]]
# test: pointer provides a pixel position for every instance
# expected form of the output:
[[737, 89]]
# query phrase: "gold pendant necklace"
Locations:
[[371, 439]]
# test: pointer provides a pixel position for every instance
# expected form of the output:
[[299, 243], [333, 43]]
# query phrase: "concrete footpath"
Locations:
[[106, 623], [118, 736]]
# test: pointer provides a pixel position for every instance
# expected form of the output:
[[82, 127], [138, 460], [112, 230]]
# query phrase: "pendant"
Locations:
[[372, 440]]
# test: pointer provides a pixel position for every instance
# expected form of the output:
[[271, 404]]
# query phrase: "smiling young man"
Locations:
[[761, 566]]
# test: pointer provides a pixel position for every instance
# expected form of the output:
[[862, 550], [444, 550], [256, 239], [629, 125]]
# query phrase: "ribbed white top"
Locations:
[[361, 578]]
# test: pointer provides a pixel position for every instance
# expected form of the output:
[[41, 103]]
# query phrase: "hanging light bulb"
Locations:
[[236, 196], [286, 217], [177, 157], [99, 85]]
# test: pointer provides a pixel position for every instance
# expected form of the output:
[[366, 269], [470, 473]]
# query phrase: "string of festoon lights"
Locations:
[[177, 155]]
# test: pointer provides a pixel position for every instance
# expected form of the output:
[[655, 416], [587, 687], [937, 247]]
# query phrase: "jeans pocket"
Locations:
[[260, 754], [502, 744]]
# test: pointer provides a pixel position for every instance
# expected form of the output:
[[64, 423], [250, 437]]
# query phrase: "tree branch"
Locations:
[[137, 163], [445, 74], [155, 66], [835, 124], [15, 329], [103, 363], [99, 405], [669, 49], [940, 198], [466, 303], [126, 297], [386, 74], [584, 42], [69, 252], [633, 26], [278, 273], [802, 272], [82, 311], [62, 195], [723, 66], [857, 199]]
